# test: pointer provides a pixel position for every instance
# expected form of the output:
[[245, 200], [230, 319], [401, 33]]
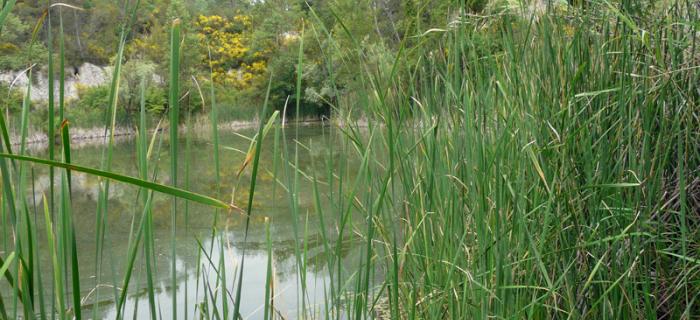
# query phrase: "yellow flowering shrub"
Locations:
[[229, 44]]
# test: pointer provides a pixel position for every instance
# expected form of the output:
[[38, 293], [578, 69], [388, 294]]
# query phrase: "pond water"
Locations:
[[317, 146]]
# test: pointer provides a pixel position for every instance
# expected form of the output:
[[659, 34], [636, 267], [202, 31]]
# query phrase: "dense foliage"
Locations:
[[241, 43], [521, 159]]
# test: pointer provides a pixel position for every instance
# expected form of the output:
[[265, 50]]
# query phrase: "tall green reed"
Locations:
[[174, 113], [531, 181], [24, 262], [550, 176]]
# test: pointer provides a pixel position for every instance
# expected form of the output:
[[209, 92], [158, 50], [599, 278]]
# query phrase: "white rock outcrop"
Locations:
[[87, 75]]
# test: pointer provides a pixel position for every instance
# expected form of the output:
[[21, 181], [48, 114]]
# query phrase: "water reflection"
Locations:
[[192, 286], [196, 274]]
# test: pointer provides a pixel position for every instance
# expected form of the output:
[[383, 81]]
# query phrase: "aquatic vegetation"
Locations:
[[507, 164]]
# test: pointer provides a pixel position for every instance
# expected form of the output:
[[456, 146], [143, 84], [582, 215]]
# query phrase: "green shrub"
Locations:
[[13, 57], [156, 100], [90, 107], [10, 98], [236, 105]]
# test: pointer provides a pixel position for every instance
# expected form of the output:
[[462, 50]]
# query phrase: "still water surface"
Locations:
[[317, 147]]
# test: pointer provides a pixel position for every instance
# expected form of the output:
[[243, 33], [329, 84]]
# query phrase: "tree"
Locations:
[[15, 51]]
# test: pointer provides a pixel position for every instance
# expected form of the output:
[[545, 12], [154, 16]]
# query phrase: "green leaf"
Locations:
[[682, 257], [180, 193], [7, 263], [6, 11], [616, 185], [596, 93]]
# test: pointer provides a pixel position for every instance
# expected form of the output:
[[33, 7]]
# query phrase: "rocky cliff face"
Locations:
[[87, 75]]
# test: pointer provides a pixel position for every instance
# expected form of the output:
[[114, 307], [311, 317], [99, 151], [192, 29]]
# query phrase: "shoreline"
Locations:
[[82, 137]]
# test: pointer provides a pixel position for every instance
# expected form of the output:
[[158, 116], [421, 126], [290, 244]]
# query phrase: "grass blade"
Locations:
[[168, 190]]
